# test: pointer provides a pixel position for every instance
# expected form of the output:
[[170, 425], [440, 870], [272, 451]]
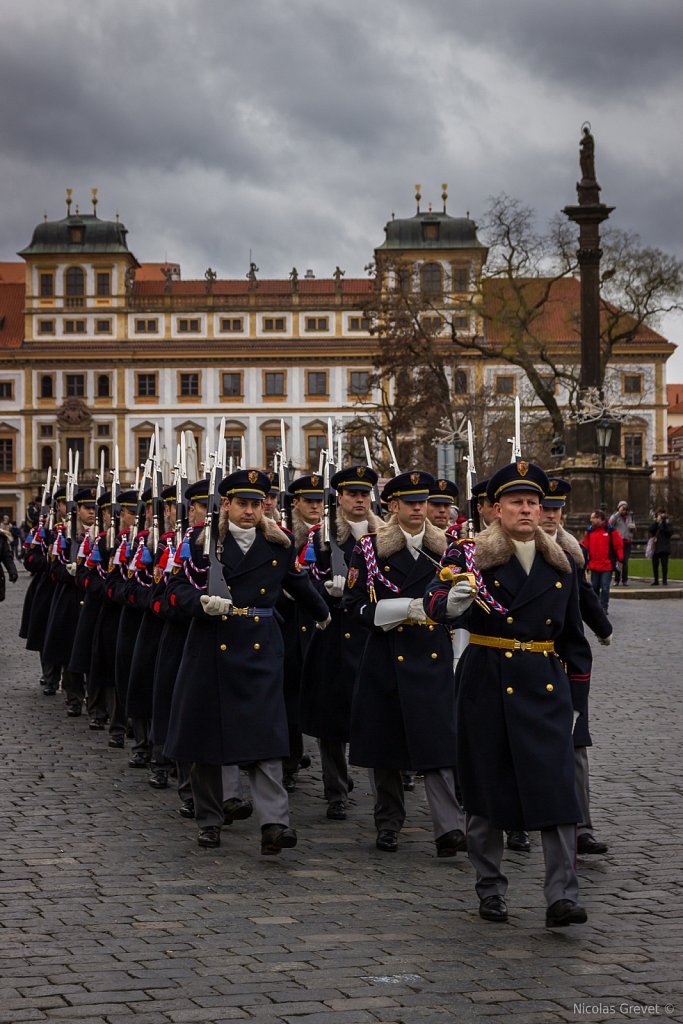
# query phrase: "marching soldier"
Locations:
[[115, 593], [37, 562], [441, 502], [228, 702], [332, 660], [307, 504], [403, 712], [595, 618], [514, 699], [62, 622]]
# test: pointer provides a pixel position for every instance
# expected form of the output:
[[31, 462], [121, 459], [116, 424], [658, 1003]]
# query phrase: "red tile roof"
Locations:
[[558, 319], [11, 315], [12, 273], [152, 271], [306, 286], [674, 397]]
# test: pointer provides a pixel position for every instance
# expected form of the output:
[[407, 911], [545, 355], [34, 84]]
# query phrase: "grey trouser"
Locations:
[[390, 810], [268, 795], [335, 769], [585, 826], [485, 850]]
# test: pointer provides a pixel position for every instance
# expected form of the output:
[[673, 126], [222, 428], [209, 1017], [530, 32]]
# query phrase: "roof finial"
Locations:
[[77, 210], [117, 216], [429, 207], [69, 193], [444, 194], [93, 192], [418, 196], [45, 216]]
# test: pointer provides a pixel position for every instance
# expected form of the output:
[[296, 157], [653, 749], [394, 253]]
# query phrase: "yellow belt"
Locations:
[[535, 646]]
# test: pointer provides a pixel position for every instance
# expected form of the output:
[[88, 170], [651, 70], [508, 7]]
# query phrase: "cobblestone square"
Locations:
[[111, 914]]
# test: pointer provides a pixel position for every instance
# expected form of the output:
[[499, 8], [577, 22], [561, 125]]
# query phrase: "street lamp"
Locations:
[[603, 429], [459, 448]]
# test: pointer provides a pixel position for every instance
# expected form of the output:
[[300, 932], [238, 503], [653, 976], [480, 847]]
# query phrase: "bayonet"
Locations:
[[393, 460], [376, 503], [329, 520], [516, 441], [215, 583]]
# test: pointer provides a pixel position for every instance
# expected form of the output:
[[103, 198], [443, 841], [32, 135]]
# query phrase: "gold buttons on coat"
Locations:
[[274, 562], [257, 618], [224, 618], [399, 629], [347, 636], [400, 658], [434, 655], [550, 687], [431, 628], [257, 647], [509, 690], [558, 585], [496, 583], [224, 647], [387, 568], [508, 654], [304, 629], [509, 619], [262, 590], [548, 622]]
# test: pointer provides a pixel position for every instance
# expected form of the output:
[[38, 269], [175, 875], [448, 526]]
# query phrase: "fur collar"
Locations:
[[390, 538], [344, 530], [494, 548], [571, 546], [300, 528], [270, 530]]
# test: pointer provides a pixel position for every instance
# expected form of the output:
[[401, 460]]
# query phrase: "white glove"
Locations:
[[335, 586], [324, 623], [460, 598], [416, 612], [71, 568], [215, 605], [605, 640]]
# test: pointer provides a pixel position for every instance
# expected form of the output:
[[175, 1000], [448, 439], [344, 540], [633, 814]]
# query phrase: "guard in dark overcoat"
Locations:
[[116, 594], [65, 609], [594, 616], [173, 636], [514, 699], [332, 660], [403, 711], [228, 702], [298, 626], [39, 561]]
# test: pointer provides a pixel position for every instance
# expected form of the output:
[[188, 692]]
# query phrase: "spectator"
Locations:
[[660, 531], [6, 560], [622, 521], [604, 548]]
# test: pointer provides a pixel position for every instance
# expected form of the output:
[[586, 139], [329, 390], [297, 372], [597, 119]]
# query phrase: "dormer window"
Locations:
[[430, 231], [76, 233], [431, 279]]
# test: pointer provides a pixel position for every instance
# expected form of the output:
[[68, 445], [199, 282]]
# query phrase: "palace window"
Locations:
[[314, 445], [47, 286], [504, 385], [6, 389], [317, 323], [461, 279], [103, 386], [103, 326], [47, 456], [232, 325], [316, 383], [75, 282], [188, 385], [145, 385], [231, 385], [633, 449], [46, 327], [75, 385], [633, 385], [431, 279], [359, 382], [189, 326], [103, 284], [46, 430], [146, 326], [74, 326], [274, 384], [103, 430], [6, 455], [359, 323], [274, 323], [47, 386], [460, 382]]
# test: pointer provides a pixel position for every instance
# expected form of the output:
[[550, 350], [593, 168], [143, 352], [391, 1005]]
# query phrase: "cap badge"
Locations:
[[553, 485], [360, 471], [442, 485], [252, 476], [415, 479], [314, 480], [522, 468]]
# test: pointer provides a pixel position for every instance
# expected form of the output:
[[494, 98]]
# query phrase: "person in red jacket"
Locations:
[[605, 548]]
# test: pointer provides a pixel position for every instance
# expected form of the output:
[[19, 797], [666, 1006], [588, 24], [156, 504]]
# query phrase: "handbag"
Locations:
[[650, 548]]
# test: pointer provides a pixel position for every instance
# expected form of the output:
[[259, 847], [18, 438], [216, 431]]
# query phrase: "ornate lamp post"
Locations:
[[603, 430]]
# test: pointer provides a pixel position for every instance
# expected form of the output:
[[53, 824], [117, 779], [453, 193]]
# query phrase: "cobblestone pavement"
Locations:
[[111, 914]]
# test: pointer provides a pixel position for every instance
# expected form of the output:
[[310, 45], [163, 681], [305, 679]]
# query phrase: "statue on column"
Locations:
[[588, 189]]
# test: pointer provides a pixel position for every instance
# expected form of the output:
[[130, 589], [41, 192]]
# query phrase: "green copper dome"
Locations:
[[77, 234], [431, 231]]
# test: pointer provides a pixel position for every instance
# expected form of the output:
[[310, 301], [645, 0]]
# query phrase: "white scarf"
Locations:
[[414, 543], [358, 529], [244, 538], [526, 552]]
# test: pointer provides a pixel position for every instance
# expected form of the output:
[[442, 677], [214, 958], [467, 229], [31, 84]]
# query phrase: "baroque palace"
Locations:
[[97, 349]]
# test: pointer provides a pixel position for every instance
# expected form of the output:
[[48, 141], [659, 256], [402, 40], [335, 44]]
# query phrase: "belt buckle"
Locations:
[[240, 611], [522, 645]]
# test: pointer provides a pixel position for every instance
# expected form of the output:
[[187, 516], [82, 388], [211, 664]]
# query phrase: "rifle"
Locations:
[[376, 503], [99, 491], [43, 500], [157, 503], [284, 479], [471, 524], [516, 441], [139, 523], [115, 506], [180, 473], [55, 488], [329, 521], [215, 582], [393, 461], [72, 507]]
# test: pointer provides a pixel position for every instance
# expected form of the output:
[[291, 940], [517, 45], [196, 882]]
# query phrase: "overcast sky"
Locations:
[[294, 128]]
